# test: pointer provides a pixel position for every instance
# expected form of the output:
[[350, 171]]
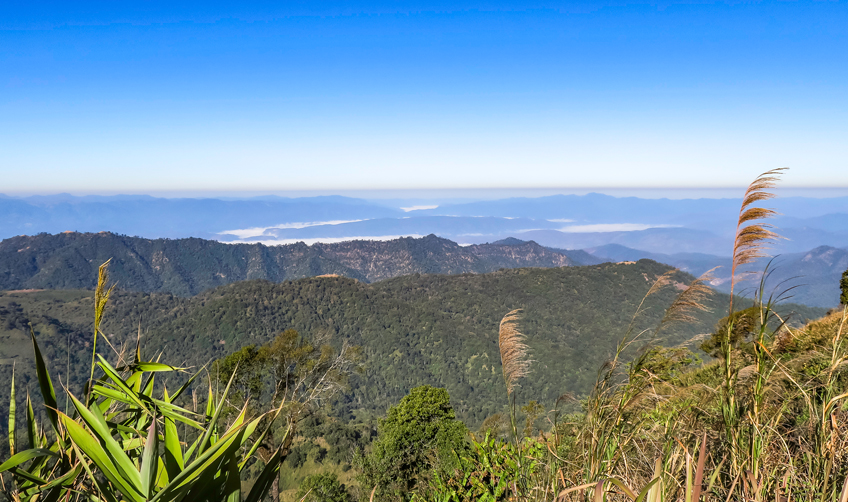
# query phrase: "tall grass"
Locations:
[[766, 420]]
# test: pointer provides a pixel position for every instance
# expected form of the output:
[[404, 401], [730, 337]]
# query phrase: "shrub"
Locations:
[[322, 488], [419, 434]]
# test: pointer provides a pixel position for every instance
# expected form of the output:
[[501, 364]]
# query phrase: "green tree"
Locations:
[[742, 324], [247, 382], [419, 435], [322, 488], [843, 284], [302, 377]]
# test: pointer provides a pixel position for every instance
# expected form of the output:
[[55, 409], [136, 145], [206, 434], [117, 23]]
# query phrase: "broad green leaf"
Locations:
[[232, 487], [32, 425], [21, 457], [148, 387], [211, 427], [120, 383], [92, 449], [186, 385], [162, 477], [261, 437], [45, 384], [97, 423], [174, 462], [149, 462], [12, 416], [228, 445], [134, 381], [626, 489], [167, 409], [154, 367], [66, 479], [647, 490], [192, 448], [210, 402], [105, 493], [266, 477], [28, 476]]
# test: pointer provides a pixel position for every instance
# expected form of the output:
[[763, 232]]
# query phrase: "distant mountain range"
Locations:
[[188, 266], [667, 226], [813, 275]]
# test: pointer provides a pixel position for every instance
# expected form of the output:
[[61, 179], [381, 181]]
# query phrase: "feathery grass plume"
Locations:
[[513, 350], [752, 237], [689, 302], [101, 297]]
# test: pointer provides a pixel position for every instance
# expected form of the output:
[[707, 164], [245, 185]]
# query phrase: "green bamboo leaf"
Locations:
[[192, 448], [12, 415], [647, 490], [30, 477], [266, 477], [261, 437], [92, 449], [206, 463], [148, 387], [155, 367], [134, 381], [66, 479], [45, 384], [97, 423], [133, 443], [149, 461], [21, 457], [54, 494], [211, 427], [232, 486], [174, 462], [104, 492], [210, 402], [186, 385], [167, 409], [32, 425], [120, 383], [626, 489]]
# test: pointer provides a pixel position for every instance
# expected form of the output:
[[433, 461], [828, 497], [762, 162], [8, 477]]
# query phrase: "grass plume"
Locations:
[[513, 350], [689, 302], [753, 236], [101, 298]]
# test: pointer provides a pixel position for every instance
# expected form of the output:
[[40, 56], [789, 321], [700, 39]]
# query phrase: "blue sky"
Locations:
[[149, 97]]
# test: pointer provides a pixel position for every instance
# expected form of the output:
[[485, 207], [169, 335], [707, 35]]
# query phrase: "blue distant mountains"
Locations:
[[564, 221], [692, 234]]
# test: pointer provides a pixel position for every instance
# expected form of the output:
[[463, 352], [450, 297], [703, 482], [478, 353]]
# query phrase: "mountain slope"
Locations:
[[417, 329], [187, 266], [813, 275]]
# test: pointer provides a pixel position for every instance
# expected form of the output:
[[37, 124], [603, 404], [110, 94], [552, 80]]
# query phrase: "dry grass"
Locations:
[[752, 237], [514, 350], [690, 302]]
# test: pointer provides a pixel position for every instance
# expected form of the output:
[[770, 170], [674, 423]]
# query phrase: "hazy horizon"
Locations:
[[457, 194]]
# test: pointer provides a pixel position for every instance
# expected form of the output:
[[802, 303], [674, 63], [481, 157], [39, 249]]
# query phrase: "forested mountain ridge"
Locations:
[[188, 266], [413, 330]]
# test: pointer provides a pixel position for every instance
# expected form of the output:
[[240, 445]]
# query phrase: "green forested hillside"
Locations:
[[188, 266], [418, 329]]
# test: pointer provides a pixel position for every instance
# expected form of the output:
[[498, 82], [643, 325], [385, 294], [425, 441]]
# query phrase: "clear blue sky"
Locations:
[[149, 96]]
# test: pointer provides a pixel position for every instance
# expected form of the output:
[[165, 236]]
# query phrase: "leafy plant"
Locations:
[[322, 488], [420, 434], [108, 448]]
